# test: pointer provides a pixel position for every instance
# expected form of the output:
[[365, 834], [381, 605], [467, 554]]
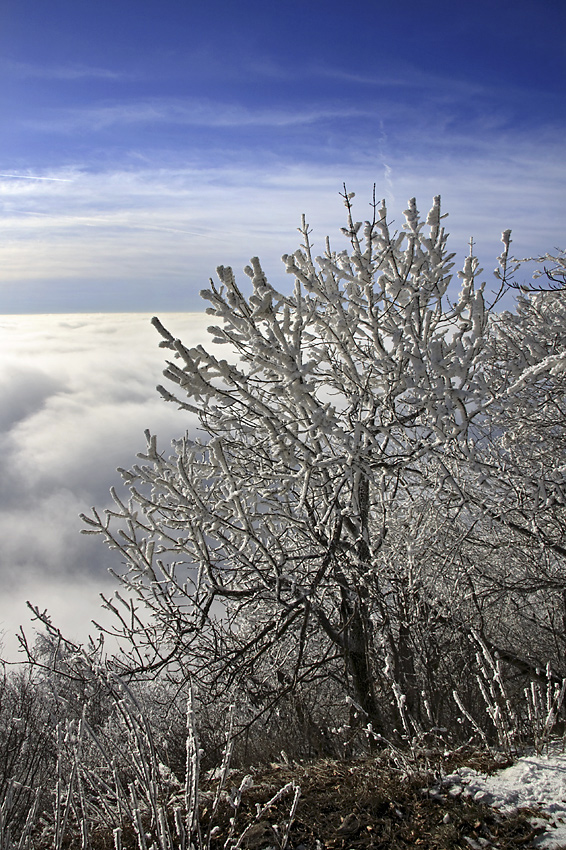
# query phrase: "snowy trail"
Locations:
[[532, 782]]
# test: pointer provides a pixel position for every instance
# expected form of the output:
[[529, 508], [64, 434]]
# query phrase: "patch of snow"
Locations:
[[533, 782]]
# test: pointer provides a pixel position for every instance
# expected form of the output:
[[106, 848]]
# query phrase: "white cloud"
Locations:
[[189, 112], [72, 605], [76, 394], [148, 237]]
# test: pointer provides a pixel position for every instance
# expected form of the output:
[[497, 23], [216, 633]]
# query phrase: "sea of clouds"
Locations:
[[77, 392]]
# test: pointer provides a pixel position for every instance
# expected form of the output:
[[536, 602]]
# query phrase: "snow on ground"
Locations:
[[532, 782]]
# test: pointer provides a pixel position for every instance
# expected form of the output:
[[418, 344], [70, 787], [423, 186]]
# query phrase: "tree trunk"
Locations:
[[357, 657]]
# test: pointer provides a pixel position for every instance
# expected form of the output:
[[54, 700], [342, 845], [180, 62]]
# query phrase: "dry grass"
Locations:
[[370, 803]]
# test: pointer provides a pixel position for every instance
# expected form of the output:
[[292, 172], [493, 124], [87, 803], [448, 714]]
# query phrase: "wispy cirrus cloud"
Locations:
[[188, 112], [35, 177], [148, 235], [70, 72], [402, 74]]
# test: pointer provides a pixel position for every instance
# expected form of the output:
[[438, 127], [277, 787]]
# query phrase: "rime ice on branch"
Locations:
[[312, 528]]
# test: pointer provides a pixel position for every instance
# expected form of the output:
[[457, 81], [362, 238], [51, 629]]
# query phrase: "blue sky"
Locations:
[[142, 144]]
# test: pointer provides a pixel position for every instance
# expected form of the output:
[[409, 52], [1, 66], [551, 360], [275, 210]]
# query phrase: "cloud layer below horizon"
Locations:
[[77, 392]]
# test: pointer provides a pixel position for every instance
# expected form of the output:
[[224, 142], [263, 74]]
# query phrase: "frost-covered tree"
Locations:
[[300, 529], [520, 487], [529, 351]]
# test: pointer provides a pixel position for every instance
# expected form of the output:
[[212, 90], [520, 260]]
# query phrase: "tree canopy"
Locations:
[[377, 480]]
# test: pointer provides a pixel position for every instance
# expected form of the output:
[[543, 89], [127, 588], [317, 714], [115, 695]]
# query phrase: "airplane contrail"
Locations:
[[30, 177]]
